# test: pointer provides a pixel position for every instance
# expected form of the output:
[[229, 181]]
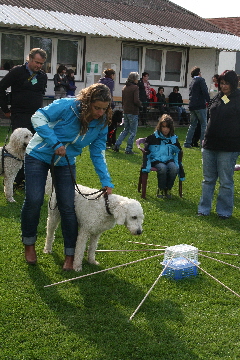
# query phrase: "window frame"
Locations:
[[165, 49], [54, 38]]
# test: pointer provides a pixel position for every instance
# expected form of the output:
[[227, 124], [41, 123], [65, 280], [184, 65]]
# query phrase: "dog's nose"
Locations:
[[139, 232]]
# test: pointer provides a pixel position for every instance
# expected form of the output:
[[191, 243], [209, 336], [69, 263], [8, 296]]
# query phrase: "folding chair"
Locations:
[[143, 176]]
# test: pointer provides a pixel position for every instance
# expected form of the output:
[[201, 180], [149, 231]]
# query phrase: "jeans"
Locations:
[[166, 174], [196, 115], [36, 172], [130, 126], [218, 164], [180, 110]]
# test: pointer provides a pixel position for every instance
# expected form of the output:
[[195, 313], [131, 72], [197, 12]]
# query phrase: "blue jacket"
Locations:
[[159, 148], [58, 124]]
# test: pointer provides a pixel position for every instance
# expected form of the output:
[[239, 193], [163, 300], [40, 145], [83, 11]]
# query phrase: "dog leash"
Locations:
[[5, 153], [100, 192]]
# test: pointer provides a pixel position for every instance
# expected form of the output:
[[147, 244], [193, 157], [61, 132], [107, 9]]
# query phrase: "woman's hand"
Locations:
[[61, 151]]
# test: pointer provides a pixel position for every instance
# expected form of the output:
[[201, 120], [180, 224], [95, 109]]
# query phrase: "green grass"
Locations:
[[190, 319]]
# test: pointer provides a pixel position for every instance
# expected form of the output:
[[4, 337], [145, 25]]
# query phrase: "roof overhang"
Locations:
[[53, 21]]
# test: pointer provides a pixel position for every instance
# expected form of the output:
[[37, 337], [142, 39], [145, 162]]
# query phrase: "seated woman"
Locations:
[[175, 102], [162, 103], [163, 151]]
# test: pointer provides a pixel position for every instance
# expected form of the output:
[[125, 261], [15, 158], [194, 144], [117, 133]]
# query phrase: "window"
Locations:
[[173, 66], [45, 44], [66, 50], [12, 50], [67, 54], [153, 62], [165, 66], [130, 60]]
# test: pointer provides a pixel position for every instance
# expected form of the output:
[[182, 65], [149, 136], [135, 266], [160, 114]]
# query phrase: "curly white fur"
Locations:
[[93, 220], [18, 142]]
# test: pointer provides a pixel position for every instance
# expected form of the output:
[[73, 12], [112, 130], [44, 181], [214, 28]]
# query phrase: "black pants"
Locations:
[[20, 120]]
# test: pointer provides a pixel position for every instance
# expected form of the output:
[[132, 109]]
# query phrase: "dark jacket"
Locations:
[[142, 93], [161, 99], [175, 98], [198, 94], [130, 99], [71, 87], [63, 82], [26, 94], [109, 82], [223, 129]]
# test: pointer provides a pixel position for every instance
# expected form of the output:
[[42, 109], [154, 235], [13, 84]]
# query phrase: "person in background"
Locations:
[[162, 103], [144, 96], [28, 85], [221, 147], [131, 105], [60, 82], [71, 87], [214, 86], [198, 99], [108, 80], [84, 121], [175, 102], [163, 151]]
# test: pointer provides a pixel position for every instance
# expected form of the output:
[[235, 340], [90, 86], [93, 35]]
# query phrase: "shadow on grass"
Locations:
[[97, 309], [188, 209]]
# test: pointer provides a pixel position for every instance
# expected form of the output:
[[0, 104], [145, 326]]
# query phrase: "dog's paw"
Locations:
[[93, 262], [77, 267], [11, 199], [47, 251]]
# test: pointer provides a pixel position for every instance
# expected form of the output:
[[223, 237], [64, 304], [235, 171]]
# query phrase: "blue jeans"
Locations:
[[218, 164], [196, 115], [180, 110], [166, 174], [36, 172], [130, 126]]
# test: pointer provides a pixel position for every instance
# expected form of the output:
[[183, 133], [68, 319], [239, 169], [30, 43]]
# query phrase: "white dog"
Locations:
[[94, 219], [11, 158]]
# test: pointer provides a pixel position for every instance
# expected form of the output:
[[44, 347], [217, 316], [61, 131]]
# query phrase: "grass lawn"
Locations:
[[191, 319]]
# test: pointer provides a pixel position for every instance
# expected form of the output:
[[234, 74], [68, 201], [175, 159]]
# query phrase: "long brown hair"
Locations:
[[165, 118], [89, 95]]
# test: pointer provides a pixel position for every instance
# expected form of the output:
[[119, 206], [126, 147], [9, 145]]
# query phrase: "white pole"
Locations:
[[149, 290], [100, 271]]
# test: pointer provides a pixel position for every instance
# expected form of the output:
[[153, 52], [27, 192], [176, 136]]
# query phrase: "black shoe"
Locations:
[[201, 214], [222, 217], [130, 152], [115, 148]]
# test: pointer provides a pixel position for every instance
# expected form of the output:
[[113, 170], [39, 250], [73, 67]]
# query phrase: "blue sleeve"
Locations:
[[41, 123], [97, 153]]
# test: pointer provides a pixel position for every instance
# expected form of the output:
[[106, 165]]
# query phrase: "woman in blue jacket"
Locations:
[[163, 151], [63, 129]]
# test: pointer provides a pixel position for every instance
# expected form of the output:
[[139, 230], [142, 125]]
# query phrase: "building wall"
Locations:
[[107, 51]]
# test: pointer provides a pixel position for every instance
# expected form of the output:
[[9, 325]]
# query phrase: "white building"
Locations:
[[155, 36]]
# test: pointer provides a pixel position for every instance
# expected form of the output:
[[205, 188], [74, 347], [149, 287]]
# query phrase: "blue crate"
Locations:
[[180, 268], [178, 274]]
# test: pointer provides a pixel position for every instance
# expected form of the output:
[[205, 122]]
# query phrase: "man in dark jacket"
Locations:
[[198, 97], [28, 84], [131, 105]]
